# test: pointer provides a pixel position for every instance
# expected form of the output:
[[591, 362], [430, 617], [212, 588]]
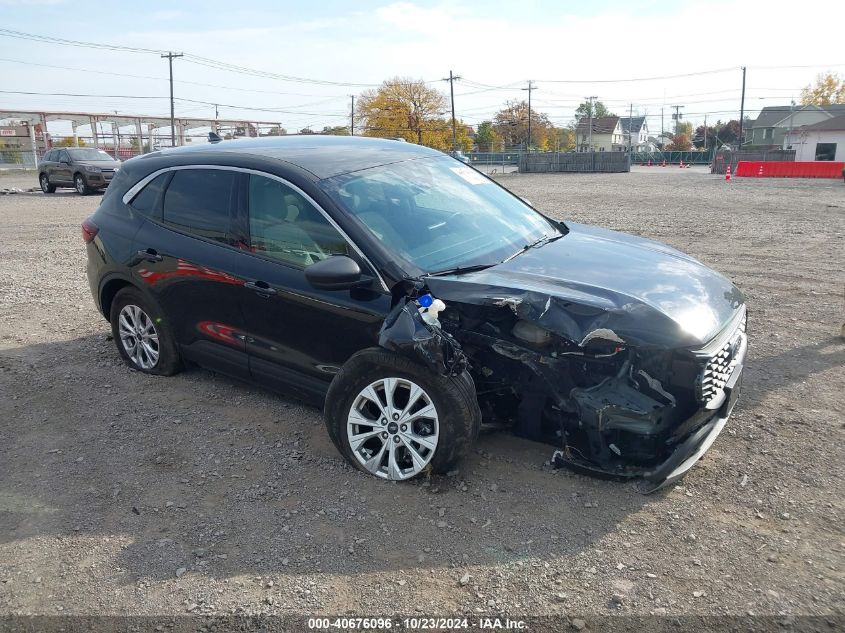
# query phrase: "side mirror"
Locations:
[[337, 272]]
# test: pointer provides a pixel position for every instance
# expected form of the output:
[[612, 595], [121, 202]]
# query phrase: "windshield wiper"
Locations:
[[460, 269], [540, 240]]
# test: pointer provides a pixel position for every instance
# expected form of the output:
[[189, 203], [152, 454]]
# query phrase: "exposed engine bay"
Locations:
[[609, 403]]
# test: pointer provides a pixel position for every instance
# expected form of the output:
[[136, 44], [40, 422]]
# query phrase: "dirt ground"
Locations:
[[122, 493]]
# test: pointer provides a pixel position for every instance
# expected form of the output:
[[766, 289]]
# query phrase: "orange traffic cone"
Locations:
[[682, 164], [664, 163], [649, 162], [760, 172], [728, 173]]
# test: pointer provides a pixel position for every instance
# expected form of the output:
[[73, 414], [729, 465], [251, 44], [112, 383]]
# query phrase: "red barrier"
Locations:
[[789, 169]]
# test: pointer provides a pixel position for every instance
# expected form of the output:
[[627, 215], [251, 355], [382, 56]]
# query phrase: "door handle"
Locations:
[[261, 288], [150, 255]]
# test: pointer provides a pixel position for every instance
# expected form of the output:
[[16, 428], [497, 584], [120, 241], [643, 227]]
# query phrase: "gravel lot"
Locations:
[[122, 493]]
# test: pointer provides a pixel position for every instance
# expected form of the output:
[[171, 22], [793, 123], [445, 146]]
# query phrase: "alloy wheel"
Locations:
[[393, 428], [45, 184], [138, 336], [80, 185]]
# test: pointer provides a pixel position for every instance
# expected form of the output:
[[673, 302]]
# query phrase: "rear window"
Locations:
[[148, 201], [199, 201]]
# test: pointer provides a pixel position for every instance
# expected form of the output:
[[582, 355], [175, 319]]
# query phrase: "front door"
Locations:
[[60, 171], [298, 336], [187, 256]]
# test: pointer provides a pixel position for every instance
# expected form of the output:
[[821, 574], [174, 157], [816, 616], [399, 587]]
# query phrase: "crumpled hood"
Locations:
[[642, 291]]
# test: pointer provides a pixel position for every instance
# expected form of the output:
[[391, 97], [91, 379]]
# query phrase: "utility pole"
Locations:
[[677, 116], [630, 135], [530, 87], [741, 109], [787, 138], [662, 129], [452, 79], [590, 99], [170, 57], [352, 117], [705, 132]]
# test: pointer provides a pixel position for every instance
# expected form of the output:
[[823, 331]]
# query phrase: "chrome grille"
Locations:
[[720, 366]]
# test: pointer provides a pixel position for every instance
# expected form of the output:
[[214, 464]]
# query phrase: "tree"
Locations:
[[486, 137], [680, 143], [403, 107], [698, 138], [562, 139], [67, 141], [511, 124], [598, 110], [729, 132], [276, 130], [306, 130], [828, 89], [684, 127], [337, 130]]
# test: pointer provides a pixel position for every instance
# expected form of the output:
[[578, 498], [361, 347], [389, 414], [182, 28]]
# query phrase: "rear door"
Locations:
[[298, 336], [188, 257]]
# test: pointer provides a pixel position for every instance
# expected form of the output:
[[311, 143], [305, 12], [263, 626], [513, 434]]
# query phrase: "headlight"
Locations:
[[92, 169]]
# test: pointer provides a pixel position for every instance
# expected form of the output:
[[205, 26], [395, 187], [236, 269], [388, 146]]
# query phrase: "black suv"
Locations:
[[86, 169], [415, 299]]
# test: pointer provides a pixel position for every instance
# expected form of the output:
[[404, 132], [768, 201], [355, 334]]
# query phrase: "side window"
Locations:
[[49, 156], [283, 225], [199, 201], [148, 200], [63, 156]]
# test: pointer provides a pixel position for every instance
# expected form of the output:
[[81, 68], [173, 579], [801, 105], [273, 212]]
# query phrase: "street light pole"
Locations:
[[170, 57]]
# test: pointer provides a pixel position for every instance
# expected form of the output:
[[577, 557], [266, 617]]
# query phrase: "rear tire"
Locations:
[[80, 185], [143, 335], [427, 423], [46, 187]]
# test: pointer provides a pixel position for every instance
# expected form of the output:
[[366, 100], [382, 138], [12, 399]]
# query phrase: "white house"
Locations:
[[606, 136], [638, 129], [824, 140]]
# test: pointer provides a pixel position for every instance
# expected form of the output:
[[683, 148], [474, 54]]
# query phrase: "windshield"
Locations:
[[438, 214], [89, 153]]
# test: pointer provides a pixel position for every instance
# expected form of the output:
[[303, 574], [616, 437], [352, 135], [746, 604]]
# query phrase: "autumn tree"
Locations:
[[276, 130], [486, 137], [562, 139], [597, 109], [306, 130], [828, 89], [67, 141], [684, 127], [402, 107], [679, 143], [511, 124]]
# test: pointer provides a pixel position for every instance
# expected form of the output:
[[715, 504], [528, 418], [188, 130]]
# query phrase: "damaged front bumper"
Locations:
[[707, 424]]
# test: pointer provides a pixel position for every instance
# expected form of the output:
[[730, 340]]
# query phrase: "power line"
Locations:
[[181, 81]]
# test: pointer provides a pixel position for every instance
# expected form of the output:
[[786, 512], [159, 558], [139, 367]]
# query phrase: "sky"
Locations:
[[644, 56]]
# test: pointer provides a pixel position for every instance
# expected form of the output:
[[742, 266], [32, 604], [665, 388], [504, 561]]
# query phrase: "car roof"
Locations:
[[323, 156]]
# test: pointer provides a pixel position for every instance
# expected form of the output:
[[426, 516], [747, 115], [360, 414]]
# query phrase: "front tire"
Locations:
[[46, 187], [142, 334], [80, 185], [395, 419]]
